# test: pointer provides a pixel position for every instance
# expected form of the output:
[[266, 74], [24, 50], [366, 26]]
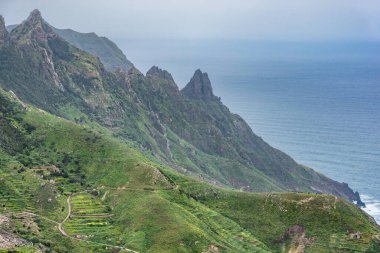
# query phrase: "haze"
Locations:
[[294, 20]]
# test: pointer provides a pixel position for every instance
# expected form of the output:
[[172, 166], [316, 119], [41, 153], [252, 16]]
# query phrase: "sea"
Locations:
[[317, 101]]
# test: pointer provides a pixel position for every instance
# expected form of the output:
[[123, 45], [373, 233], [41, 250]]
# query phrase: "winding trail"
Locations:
[[66, 218], [63, 232], [42, 217]]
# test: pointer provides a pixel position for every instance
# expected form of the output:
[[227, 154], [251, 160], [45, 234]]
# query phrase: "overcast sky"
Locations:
[[294, 20]]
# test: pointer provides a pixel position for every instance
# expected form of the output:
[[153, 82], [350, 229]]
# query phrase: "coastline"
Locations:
[[372, 207]]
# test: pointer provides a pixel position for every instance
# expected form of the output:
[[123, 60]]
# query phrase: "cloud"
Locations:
[[209, 19]]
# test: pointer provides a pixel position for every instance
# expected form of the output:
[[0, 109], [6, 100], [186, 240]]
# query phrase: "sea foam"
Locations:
[[372, 207]]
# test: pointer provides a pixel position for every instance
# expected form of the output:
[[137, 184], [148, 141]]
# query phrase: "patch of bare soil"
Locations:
[[296, 234], [212, 249], [7, 239]]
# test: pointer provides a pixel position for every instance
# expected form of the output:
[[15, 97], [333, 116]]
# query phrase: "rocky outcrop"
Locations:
[[111, 56], [4, 36], [199, 87], [162, 81], [34, 28], [156, 71], [35, 32]]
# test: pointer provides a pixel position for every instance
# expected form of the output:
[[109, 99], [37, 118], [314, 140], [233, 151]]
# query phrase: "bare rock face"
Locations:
[[4, 36], [34, 28], [199, 87], [38, 26], [35, 34], [163, 74], [8, 240], [163, 80]]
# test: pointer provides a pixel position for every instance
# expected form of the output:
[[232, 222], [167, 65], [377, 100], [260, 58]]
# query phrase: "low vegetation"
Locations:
[[120, 200]]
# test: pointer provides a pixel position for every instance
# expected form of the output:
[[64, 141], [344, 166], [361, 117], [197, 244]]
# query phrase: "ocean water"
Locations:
[[319, 103]]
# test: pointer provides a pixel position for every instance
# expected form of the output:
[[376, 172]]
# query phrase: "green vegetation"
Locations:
[[119, 199], [190, 130], [92, 164], [91, 219], [328, 221]]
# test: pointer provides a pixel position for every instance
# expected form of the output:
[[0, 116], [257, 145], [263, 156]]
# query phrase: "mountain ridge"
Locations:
[[111, 56], [190, 129]]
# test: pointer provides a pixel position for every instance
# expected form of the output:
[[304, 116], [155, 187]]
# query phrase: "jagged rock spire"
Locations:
[[199, 87], [34, 27], [156, 71], [4, 36], [34, 17], [162, 80]]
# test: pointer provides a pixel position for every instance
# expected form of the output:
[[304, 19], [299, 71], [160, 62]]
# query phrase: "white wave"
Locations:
[[372, 207]]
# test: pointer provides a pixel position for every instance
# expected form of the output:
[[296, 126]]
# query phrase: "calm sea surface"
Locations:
[[320, 103]]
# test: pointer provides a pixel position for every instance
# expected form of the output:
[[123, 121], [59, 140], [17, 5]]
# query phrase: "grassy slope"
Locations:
[[120, 198], [142, 209], [327, 219]]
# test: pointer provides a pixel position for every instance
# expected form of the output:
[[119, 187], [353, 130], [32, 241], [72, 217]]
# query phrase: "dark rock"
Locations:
[[199, 87], [35, 16], [34, 28], [163, 74], [162, 80], [4, 36], [359, 202]]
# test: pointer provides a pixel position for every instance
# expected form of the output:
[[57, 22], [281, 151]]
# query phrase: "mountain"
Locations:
[[145, 166], [111, 56], [190, 130]]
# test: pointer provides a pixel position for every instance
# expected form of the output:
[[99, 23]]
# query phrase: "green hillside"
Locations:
[[119, 199]]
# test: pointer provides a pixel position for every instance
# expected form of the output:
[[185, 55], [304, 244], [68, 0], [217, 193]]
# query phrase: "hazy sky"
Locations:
[[294, 20]]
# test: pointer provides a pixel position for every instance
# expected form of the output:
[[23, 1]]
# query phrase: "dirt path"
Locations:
[[66, 218], [104, 196], [63, 232]]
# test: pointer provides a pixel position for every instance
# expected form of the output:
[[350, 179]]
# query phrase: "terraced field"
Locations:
[[14, 194], [91, 220]]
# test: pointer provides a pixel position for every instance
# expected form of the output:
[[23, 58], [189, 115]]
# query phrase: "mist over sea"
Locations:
[[318, 102]]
